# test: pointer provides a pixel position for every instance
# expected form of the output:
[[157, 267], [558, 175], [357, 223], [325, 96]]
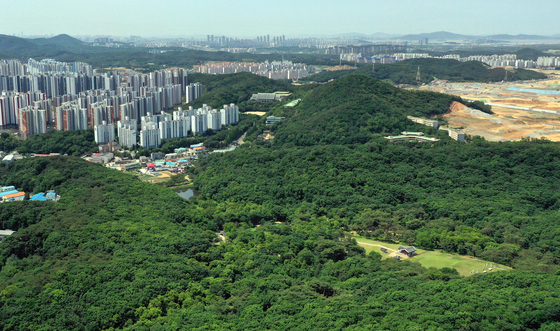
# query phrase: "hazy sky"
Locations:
[[248, 18]]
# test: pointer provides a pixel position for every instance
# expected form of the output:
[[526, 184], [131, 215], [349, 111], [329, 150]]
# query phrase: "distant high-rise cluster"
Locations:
[[501, 60], [364, 49], [491, 60], [272, 70], [50, 65], [11, 102], [75, 98], [548, 62], [265, 40]]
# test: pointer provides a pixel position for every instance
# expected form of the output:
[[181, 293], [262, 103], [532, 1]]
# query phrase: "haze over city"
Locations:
[[247, 18]]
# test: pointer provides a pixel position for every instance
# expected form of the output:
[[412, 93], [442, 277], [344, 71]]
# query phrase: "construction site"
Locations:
[[523, 109]]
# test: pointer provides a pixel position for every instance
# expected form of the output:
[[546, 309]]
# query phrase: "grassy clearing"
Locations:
[[374, 245], [437, 259]]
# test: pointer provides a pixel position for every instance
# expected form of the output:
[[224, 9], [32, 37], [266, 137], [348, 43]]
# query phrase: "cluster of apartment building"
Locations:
[[16, 68], [491, 60], [155, 128], [364, 49], [272, 70], [501, 61], [548, 62], [77, 100]]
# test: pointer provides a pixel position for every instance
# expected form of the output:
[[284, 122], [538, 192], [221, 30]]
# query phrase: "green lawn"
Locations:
[[374, 245], [437, 259]]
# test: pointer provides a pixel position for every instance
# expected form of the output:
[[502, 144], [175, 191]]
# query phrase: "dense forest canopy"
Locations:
[[236, 88], [75, 143], [355, 109], [103, 258], [119, 254]]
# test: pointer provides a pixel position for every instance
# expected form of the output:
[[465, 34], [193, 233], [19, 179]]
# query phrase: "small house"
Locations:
[[408, 251]]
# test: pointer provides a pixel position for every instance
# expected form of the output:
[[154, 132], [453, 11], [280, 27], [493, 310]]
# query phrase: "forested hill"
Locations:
[[356, 109], [119, 254], [405, 72], [234, 88]]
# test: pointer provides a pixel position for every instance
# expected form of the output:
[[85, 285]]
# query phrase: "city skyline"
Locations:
[[249, 18]]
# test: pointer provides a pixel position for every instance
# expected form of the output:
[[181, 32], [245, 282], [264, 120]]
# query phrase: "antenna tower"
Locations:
[[418, 78], [505, 79]]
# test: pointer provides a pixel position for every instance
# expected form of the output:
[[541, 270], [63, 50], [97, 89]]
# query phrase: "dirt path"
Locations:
[[359, 242], [393, 251]]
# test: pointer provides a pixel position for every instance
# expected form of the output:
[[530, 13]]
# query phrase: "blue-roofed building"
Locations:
[[197, 145], [49, 196], [8, 192], [38, 197], [52, 196]]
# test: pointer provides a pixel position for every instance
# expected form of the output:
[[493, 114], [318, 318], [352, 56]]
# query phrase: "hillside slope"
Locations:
[[10, 44], [355, 109], [61, 40], [118, 254], [405, 72], [235, 88]]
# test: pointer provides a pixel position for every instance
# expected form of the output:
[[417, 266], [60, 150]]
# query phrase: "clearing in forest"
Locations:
[[437, 259]]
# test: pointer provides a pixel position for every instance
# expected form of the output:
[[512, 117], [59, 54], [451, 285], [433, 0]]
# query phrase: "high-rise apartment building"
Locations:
[[100, 112], [174, 129], [214, 120], [199, 124], [104, 133], [127, 132], [229, 114], [193, 92], [32, 120], [149, 135], [69, 116]]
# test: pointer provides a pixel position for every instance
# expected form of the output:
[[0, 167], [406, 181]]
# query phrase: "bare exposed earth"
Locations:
[[260, 113], [506, 123]]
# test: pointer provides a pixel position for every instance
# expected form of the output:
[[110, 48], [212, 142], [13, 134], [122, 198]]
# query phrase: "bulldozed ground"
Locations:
[[506, 124]]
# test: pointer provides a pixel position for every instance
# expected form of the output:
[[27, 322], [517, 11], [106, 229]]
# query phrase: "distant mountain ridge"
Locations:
[[444, 35], [437, 35], [61, 39], [10, 44], [61, 45]]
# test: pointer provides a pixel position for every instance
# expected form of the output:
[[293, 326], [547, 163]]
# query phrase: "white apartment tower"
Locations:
[[149, 135], [104, 133], [214, 120], [229, 114], [127, 133], [199, 124], [193, 92]]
